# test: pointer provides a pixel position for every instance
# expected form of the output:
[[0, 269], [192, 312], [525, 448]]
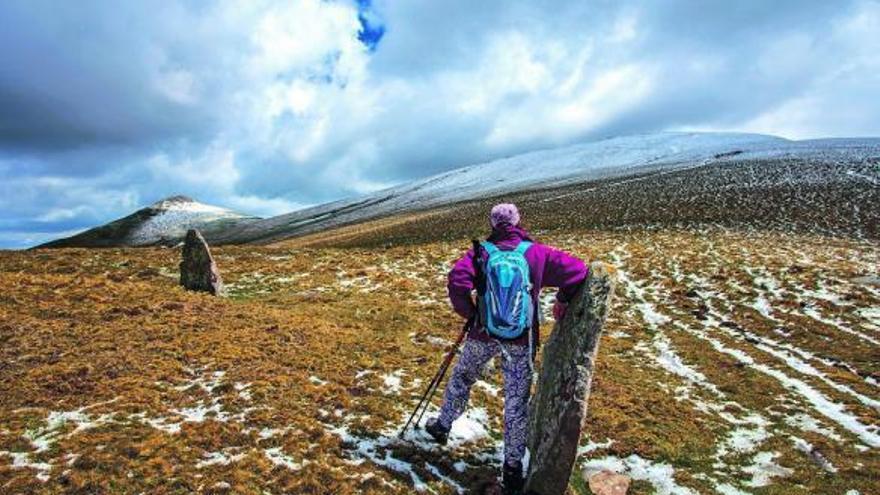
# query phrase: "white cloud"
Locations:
[[58, 214], [179, 86], [262, 207], [301, 35], [213, 171], [837, 78], [266, 106]]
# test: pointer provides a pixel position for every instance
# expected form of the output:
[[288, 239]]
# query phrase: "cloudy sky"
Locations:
[[268, 106]]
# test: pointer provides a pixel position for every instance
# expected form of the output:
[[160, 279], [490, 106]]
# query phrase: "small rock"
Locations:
[[608, 483], [701, 313], [728, 154], [198, 271]]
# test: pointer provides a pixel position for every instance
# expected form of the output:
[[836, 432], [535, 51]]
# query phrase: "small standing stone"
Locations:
[[198, 271], [608, 483]]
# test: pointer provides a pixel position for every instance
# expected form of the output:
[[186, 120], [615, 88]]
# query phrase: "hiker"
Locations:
[[506, 325]]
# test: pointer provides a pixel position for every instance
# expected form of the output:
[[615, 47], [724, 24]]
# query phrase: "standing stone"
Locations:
[[198, 271], [559, 407]]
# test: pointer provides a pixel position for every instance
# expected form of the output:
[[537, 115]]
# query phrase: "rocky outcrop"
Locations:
[[198, 271], [558, 409]]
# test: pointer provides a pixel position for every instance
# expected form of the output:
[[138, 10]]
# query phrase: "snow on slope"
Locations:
[[174, 216], [163, 222], [608, 158], [620, 157], [561, 166]]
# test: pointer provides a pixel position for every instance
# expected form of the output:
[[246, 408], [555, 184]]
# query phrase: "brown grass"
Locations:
[[110, 331]]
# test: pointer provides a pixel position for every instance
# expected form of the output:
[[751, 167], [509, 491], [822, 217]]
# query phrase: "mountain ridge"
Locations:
[[164, 222], [609, 159]]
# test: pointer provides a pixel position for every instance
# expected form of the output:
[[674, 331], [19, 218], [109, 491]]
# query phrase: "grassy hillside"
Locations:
[[783, 195], [731, 361]]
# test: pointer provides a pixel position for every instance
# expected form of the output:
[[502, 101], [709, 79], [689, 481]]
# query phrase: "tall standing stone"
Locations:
[[198, 271], [559, 407]]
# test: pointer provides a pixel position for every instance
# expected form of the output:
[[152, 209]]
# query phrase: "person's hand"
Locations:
[[559, 309]]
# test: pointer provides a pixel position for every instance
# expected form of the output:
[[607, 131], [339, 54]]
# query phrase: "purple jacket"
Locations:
[[548, 267]]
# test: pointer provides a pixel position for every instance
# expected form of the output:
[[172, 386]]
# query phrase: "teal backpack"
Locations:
[[506, 305]]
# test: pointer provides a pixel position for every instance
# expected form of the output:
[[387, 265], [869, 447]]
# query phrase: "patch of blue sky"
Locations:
[[372, 27]]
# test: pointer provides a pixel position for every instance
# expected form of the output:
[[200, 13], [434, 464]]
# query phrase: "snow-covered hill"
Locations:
[[613, 158], [175, 215], [738, 168], [163, 222]]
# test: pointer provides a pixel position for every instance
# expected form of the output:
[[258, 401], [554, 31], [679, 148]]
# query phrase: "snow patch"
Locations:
[[317, 381], [808, 423], [832, 410], [392, 382], [672, 362], [813, 313], [660, 475], [763, 469], [279, 458], [469, 427], [591, 446], [487, 387], [871, 314], [745, 439], [728, 489], [817, 457], [221, 458], [21, 460], [173, 218]]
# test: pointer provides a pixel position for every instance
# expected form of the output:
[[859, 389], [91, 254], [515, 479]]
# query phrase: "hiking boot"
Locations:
[[512, 480], [437, 432]]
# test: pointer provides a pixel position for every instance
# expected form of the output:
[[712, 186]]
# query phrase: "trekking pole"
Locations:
[[435, 382], [433, 390]]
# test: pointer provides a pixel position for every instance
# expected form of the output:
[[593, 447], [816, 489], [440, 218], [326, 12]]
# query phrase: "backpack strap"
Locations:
[[480, 282], [489, 247], [523, 246]]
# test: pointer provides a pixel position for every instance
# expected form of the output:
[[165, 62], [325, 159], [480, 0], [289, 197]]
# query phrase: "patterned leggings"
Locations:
[[517, 381]]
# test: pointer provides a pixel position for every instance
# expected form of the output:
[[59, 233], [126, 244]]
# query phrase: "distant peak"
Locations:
[[179, 202], [176, 199]]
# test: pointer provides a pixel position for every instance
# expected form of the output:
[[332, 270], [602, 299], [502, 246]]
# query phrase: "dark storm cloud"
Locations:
[[89, 73], [265, 106]]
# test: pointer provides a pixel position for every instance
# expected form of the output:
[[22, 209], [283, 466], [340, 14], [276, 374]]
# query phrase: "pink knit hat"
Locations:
[[504, 213]]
